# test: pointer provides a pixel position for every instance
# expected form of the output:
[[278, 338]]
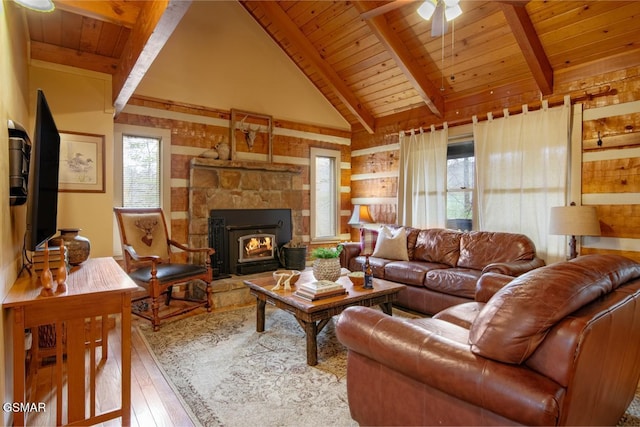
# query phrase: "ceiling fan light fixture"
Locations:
[[452, 12], [37, 5], [426, 9]]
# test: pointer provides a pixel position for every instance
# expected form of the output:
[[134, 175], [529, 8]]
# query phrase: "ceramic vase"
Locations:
[[326, 269], [224, 152], [78, 247]]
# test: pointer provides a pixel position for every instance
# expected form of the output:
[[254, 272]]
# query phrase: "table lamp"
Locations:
[[360, 215], [574, 221]]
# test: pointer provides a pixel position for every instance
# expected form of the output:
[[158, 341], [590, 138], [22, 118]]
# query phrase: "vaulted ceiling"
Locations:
[[373, 60]]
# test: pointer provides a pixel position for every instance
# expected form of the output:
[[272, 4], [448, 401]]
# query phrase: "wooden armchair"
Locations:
[[146, 248]]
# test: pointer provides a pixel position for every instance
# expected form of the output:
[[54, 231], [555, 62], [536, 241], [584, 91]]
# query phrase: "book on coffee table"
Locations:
[[310, 296], [321, 286], [321, 289]]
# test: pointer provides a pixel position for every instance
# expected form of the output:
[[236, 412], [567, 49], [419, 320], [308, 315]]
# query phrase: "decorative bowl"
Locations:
[[285, 274], [356, 277]]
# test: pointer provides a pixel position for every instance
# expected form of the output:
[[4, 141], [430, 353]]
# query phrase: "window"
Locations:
[[460, 185], [140, 171], [325, 194]]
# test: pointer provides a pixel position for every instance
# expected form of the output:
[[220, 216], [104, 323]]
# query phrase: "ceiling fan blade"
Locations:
[[438, 23]]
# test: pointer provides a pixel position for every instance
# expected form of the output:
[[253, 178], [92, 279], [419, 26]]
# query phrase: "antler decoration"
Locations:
[[249, 133], [287, 281]]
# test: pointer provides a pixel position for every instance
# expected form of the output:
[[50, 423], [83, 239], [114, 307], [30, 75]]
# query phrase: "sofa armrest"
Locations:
[[434, 352], [514, 268], [489, 284], [349, 250]]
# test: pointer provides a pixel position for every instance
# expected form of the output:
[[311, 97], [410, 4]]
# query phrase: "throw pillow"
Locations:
[[368, 238], [392, 244]]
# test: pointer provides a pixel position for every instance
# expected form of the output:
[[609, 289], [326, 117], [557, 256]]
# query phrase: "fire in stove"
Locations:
[[256, 247]]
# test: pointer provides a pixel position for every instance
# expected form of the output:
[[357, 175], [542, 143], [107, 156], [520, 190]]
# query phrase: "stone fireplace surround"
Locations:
[[225, 184]]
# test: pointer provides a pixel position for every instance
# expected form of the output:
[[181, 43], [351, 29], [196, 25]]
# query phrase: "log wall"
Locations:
[[195, 129], [610, 172]]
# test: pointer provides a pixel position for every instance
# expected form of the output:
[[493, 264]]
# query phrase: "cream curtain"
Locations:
[[423, 178], [522, 171]]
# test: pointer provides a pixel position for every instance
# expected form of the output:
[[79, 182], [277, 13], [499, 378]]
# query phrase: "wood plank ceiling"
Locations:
[[375, 61]]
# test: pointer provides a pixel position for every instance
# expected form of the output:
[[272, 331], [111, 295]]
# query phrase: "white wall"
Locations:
[[80, 101], [235, 64]]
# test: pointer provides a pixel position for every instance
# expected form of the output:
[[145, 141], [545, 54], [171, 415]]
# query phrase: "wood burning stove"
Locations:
[[256, 247], [246, 240]]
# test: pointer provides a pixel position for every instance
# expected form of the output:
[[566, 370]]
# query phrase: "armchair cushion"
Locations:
[[517, 318], [168, 272]]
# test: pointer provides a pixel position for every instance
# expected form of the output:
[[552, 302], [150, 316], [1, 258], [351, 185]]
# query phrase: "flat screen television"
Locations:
[[42, 197]]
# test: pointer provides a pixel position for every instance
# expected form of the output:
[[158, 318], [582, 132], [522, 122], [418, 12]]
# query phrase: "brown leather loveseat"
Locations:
[[439, 266], [559, 345]]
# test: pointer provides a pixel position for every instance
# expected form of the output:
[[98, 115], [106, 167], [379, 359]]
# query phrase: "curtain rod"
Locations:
[[575, 97]]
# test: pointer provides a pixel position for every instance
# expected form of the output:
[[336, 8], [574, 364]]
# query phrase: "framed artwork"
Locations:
[[81, 163], [251, 136]]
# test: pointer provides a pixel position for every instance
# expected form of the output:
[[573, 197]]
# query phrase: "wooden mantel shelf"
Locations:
[[200, 162]]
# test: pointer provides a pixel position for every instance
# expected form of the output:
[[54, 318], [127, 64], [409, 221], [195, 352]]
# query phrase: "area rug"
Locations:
[[230, 375]]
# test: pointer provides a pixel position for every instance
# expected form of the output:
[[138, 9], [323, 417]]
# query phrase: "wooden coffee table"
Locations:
[[314, 315]]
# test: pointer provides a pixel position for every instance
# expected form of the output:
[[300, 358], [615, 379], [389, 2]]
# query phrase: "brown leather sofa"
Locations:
[[559, 345], [444, 265]]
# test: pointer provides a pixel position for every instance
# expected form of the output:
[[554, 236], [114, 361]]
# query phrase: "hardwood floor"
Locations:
[[153, 401]]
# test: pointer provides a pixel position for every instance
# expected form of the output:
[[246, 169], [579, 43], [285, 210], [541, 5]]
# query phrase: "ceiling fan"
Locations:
[[442, 12]]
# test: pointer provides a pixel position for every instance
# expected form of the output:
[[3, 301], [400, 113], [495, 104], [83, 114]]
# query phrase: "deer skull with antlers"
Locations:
[[249, 133]]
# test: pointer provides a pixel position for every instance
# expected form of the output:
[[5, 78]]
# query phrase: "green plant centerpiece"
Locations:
[[326, 264]]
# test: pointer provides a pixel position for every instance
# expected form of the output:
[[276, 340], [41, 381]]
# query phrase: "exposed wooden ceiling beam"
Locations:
[[118, 12], [527, 38], [405, 61], [61, 55], [292, 33], [388, 7], [153, 28]]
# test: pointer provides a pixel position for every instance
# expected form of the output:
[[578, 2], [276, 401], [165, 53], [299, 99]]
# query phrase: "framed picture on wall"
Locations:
[[81, 162]]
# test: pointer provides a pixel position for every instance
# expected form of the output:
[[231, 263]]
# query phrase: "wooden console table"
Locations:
[[95, 289]]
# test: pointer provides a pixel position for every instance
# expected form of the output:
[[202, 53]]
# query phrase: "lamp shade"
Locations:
[[360, 215], [574, 221], [37, 5]]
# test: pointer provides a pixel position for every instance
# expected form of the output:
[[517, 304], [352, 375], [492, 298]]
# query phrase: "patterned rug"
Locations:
[[221, 367]]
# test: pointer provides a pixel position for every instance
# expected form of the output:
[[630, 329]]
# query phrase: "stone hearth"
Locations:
[[223, 184]]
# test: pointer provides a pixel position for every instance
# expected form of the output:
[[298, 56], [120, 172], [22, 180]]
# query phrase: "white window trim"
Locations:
[[165, 170], [323, 152]]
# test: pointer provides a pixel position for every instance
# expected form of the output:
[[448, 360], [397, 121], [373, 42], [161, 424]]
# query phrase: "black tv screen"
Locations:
[[42, 197]]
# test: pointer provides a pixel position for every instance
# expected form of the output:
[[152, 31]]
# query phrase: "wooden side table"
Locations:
[[95, 289]]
